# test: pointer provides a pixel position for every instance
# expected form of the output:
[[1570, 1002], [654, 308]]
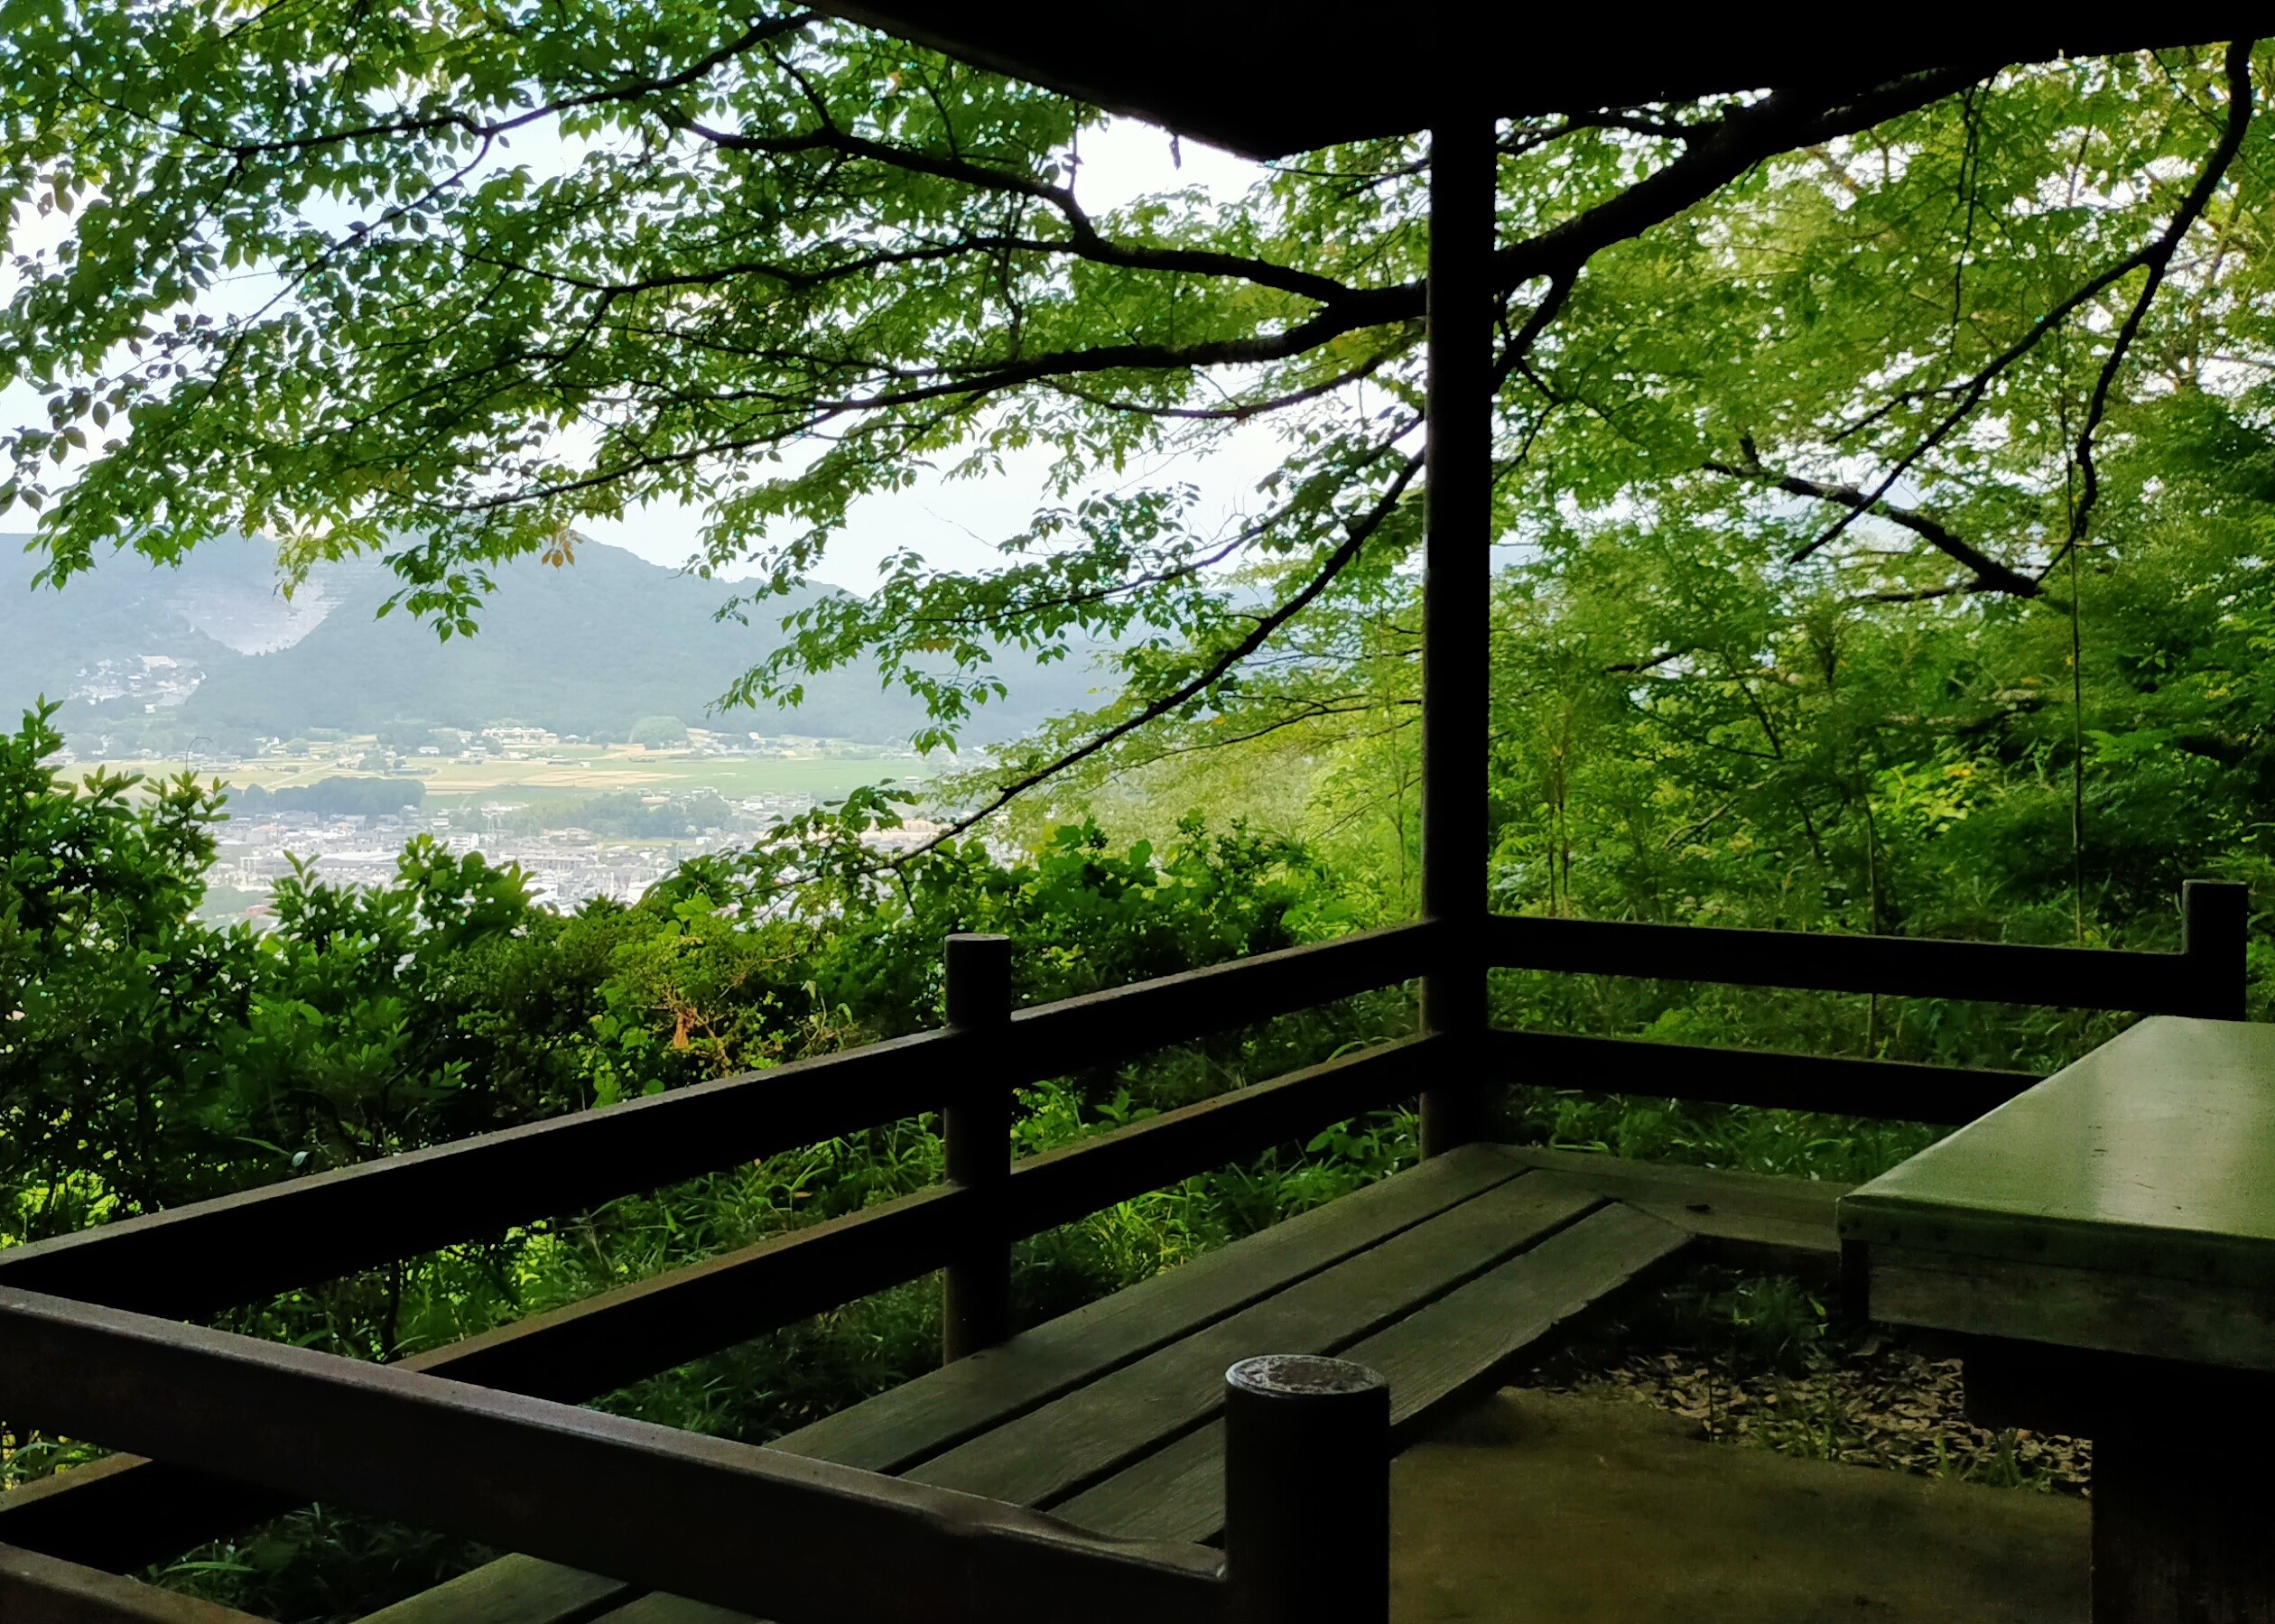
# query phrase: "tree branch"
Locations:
[[1361, 530], [751, 39], [1084, 236], [1716, 155], [2154, 255], [2157, 258], [1991, 575]]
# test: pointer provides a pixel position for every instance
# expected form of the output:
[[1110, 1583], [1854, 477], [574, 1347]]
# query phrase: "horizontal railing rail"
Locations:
[[750, 1528], [126, 1513], [1899, 1090], [1063, 1186], [1100, 1028], [2205, 977], [198, 1259], [238, 1249]]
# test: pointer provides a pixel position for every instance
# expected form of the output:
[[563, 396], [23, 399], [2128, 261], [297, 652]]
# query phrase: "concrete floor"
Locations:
[[1534, 1509]]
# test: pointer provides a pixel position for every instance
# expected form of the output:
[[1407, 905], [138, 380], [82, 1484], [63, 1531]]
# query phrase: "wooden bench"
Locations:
[[1438, 1278]]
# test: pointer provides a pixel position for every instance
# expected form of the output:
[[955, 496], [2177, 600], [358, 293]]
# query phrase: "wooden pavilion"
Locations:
[[1102, 1466]]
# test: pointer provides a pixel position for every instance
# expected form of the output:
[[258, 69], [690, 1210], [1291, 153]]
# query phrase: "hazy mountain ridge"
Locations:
[[589, 648]]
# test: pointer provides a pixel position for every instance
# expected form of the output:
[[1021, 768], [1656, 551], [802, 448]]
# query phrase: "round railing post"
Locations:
[[975, 1126], [1306, 1491]]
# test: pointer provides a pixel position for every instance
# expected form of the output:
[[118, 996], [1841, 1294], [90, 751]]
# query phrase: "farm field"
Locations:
[[574, 773]]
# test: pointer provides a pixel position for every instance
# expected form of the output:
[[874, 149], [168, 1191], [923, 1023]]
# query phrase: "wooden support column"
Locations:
[[1306, 1491], [977, 1129], [1457, 582]]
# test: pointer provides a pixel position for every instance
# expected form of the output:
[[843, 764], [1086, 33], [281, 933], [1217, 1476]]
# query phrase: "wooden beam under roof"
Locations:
[[1268, 77]]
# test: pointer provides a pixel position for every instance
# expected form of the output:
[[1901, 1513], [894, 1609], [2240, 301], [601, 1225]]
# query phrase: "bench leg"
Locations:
[[2184, 1524]]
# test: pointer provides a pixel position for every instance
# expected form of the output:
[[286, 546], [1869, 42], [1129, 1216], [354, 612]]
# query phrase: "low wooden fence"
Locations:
[[483, 1438]]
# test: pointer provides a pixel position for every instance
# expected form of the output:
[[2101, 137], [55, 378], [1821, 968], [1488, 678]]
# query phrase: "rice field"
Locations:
[[572, 773]]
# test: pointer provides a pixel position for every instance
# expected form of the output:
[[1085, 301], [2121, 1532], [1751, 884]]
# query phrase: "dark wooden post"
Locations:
[[2180, 1528], [977, 1129], [1456, 616], [1306, 1491], [2215, 918]]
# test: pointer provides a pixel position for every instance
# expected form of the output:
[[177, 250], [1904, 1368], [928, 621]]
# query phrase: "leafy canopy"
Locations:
[[446, 281]]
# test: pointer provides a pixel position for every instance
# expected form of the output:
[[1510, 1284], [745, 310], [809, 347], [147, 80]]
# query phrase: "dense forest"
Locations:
[[1886, 488]]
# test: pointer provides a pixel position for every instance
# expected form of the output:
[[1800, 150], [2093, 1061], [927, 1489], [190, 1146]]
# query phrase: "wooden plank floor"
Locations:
[[1437, 1278]]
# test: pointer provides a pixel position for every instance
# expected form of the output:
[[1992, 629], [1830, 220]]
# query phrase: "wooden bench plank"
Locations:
[[950, 1406], [661, 1609], [513, 1590], [1431, 1358], [1435, 1356], [1049, 1453], [1749, 1214], [897, 1430], [1162, 1393], [38, 1588], [915, 1421], [1179, 1486]]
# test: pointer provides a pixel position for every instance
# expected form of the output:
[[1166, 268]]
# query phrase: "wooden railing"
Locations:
[[242, 1249], [199, 1260], [482, 1437], [2205, 978]]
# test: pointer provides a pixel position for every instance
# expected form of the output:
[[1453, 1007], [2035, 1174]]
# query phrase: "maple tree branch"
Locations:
[[1356, 535], [1989, 574], [2158, 260], [1083, 237], [2155, 255], [757, 35]]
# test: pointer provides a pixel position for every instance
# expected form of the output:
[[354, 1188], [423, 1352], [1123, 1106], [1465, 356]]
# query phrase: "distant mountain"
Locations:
[[212, 648], [58, 643]]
